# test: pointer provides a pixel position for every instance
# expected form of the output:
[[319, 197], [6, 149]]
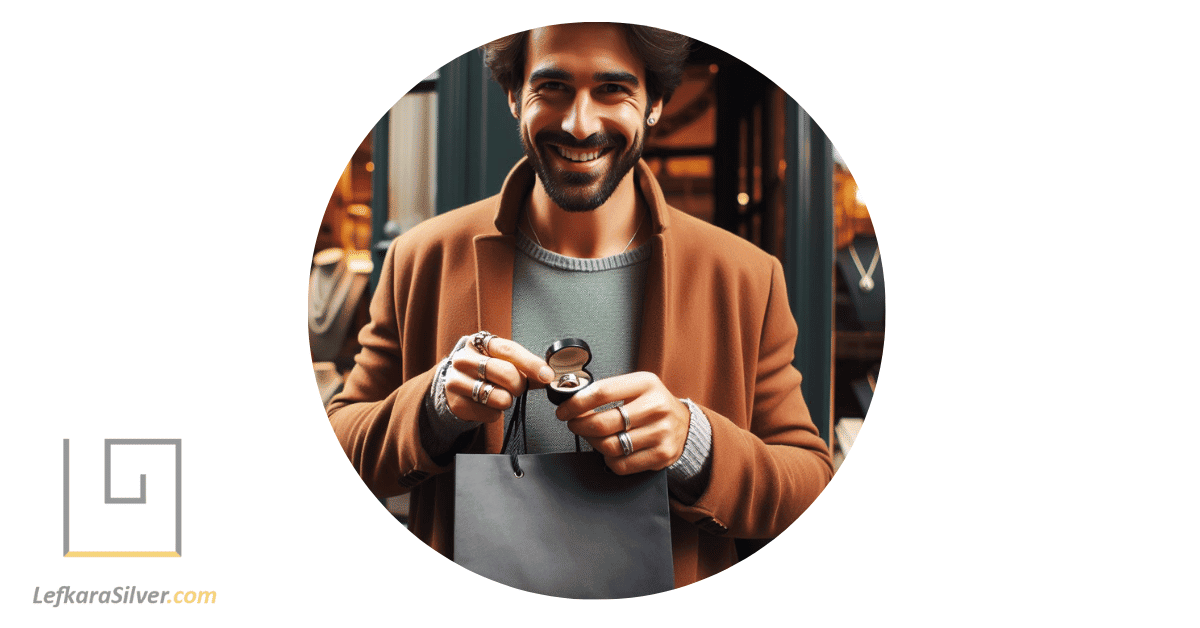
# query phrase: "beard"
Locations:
[[581, 191]]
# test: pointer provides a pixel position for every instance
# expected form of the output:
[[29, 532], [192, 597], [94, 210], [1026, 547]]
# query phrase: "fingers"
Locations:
[[468, 410], [473, 366], [609, 390], [651, 450], [609, 422], [487, 393], [530, 365], [460, 396], [479, 387], [657, 423]]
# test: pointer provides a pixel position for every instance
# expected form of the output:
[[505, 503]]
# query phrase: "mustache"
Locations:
[[566, 140]]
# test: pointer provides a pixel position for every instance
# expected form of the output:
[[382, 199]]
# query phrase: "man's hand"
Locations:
[[658, 421], [510, 369]]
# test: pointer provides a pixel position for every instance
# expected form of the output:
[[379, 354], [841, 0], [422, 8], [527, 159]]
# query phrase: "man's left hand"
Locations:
[[658, 421]]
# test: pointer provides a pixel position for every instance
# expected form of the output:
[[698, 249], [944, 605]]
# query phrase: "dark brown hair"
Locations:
[[662, 52]]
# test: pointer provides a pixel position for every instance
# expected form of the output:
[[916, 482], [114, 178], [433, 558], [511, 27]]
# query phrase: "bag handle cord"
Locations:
[[518, 417]]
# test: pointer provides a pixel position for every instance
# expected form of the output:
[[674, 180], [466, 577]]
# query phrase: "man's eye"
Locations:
[[553, 86], [612, 88]]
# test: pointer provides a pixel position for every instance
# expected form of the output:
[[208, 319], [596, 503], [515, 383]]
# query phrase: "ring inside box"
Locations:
[[572, 381], [569, 359]]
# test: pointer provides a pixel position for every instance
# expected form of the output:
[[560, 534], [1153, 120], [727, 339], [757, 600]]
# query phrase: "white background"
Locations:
[[1029, 169], [100, 527]]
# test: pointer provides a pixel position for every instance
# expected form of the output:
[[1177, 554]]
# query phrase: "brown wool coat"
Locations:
[[717, 329]]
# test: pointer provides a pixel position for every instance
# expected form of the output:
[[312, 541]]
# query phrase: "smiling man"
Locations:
[[583, 124], [689, 326]]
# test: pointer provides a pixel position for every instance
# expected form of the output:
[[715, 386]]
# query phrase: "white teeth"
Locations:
[[580, 157]]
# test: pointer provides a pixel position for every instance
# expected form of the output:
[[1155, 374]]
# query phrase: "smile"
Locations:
[[579, 156]]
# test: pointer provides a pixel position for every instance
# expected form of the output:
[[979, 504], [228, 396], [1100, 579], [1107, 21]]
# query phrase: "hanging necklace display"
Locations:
[[866, 283], [635, 232], [336, 286]]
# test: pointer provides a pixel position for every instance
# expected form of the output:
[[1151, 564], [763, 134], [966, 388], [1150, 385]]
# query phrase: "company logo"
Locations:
[[145, 520]]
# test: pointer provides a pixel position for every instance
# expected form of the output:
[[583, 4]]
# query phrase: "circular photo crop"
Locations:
[[596, 310]]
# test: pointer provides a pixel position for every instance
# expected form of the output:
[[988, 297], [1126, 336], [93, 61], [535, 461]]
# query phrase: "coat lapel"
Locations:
[[652, 340], [495, 253], [494, 256], [652, 349]]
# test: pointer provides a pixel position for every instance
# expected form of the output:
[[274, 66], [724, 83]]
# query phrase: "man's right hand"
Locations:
[[510, 368]]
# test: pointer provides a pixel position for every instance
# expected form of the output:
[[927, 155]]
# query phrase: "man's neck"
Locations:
[[602, 232]]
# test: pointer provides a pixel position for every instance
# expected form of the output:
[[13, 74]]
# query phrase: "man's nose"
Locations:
[[582, 119]]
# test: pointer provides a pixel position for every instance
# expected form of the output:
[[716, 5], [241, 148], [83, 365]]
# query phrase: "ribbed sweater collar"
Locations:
[[587, 265]]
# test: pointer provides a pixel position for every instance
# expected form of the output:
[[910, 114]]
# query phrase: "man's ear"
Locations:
[[513, 106], [655, 112]]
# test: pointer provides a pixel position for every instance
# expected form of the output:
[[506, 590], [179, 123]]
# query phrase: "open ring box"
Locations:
[[569, 358]]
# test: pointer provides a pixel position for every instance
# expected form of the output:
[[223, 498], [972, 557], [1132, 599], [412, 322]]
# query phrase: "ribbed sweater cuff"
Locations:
[[442, 428], [688, 476]]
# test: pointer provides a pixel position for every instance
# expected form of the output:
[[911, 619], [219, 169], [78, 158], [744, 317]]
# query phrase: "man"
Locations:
[[689, 325]]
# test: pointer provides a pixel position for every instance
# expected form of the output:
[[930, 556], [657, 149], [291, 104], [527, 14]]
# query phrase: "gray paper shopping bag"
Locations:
[[562, 524]]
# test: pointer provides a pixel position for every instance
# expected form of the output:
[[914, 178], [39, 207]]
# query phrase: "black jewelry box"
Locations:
[[569, 358]]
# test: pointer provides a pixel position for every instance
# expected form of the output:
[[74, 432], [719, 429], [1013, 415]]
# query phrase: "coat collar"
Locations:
[[519, 182]]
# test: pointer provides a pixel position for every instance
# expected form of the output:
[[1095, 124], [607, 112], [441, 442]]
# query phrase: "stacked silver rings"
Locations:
[[482, 391], [626, 443], [623, 436]]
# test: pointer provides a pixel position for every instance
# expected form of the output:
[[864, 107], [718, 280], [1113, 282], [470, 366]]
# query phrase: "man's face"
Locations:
[[581, 111]]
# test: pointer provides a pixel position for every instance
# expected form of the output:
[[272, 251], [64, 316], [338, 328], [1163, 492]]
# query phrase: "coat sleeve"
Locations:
[[764, 475], [377, 416]]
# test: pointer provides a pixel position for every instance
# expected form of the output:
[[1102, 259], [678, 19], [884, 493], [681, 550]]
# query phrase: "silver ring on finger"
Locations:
[[475, 391], [626, 443], [483, 368], [487, 392], [624, 417], [481, 340]]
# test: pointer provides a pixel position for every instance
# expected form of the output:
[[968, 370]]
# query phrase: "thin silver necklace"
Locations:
[[866, 283], [529, 220]]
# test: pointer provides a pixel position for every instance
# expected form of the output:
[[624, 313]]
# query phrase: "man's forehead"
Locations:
[[588, 48]]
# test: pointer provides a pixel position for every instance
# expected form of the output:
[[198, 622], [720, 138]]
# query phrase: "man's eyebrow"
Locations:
[[552, 74], [615, 77]]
